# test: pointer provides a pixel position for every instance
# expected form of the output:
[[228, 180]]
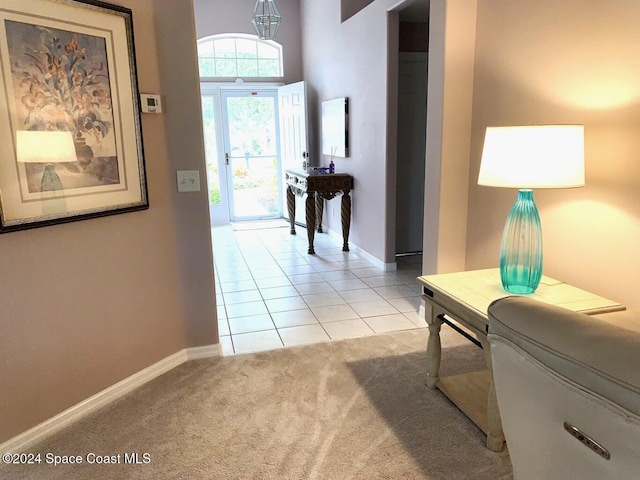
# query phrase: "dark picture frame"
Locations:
[[70, 126]]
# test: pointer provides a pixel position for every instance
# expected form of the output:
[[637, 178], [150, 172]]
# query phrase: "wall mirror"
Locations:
[[335, 127]]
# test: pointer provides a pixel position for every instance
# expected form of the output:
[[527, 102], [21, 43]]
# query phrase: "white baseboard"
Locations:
[[385, 267], [101, 399], [391, 267], [208, 351]]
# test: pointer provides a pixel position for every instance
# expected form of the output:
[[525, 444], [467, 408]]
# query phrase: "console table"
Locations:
[[319, 187], [465, 298]]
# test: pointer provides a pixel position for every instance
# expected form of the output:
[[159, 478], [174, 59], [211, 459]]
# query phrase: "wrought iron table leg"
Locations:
[[346, 219], [311, 219], [291, 208], [319, 211]]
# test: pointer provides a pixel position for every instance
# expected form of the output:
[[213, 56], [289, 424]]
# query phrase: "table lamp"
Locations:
[[528, 157], [48, 148]]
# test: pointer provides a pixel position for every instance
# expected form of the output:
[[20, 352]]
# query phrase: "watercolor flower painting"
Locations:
[[61, 83]]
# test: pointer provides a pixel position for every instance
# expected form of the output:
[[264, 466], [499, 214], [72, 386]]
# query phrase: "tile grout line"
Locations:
[[298, 252]]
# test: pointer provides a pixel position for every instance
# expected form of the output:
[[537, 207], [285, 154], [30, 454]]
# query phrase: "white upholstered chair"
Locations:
[[568, 389]]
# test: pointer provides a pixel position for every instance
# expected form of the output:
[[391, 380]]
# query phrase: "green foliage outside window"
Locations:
[[238, 55]]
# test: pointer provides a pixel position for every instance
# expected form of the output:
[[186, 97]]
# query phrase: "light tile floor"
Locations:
[[271, 294]]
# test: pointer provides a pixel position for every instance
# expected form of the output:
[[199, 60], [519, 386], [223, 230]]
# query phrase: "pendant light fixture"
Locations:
[[266, 19]]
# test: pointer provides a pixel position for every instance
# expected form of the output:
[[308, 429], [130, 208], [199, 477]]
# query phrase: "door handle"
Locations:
[[226, 159]]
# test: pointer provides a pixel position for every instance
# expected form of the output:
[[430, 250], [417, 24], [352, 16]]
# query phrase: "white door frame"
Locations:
[[256, 92], [220, 214]]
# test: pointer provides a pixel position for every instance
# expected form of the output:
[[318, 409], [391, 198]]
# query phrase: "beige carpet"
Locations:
[[355, 409]]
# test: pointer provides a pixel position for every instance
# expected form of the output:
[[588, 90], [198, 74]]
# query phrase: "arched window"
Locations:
[[238, 55]]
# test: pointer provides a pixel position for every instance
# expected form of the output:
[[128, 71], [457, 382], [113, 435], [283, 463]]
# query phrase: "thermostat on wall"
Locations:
[[150, 103]]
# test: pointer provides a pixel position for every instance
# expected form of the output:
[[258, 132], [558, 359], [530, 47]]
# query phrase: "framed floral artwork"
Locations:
[[69, 113]]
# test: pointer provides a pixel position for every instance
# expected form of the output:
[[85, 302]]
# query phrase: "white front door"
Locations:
[[294, 147], [252, 153], [251, 137], [214, 153]]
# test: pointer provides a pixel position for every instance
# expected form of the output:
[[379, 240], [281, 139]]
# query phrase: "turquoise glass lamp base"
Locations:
[[50, 180], [521, 247]]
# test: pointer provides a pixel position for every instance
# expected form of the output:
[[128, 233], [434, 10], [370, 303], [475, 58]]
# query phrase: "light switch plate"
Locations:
[[188, 181]]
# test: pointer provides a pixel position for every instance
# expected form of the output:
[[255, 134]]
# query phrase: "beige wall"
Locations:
[[449, 102], [89, 303], [569, 61], [351, 59], [177, 58], [340, 60]]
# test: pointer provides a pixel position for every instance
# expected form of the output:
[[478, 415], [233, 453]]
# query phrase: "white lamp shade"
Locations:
[[44, 147], [533, 156]]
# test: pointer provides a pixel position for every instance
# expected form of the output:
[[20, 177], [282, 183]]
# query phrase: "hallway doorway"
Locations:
[[412, 81]]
